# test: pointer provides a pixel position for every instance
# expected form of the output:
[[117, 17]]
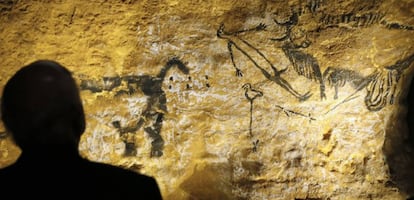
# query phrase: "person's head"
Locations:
[[41, 106]]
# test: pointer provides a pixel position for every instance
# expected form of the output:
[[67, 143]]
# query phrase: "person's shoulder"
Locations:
[[112, 170], [7, 171], [12, 171], [127, 181]]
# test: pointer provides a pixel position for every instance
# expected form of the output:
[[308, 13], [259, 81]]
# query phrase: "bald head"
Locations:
[[41, 105]]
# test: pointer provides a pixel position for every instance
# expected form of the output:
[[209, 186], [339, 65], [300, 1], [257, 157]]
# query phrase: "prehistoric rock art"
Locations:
[[383, 88], [233, 39], [306, 65], [337, 77], [381, 85], [289, 113], [325, 81], [152, 116], [251, 94]]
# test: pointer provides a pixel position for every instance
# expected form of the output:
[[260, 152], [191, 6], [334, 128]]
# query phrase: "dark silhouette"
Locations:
[[410, 113], [42, 109], [410, 140]]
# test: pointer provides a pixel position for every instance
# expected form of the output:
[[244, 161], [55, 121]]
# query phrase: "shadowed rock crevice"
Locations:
[[399, 146]]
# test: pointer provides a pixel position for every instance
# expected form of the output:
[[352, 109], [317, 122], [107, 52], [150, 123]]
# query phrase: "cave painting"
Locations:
[[381, 85], [152, 116], [289, 113], [382, 89], [251, 94], [233, 40]]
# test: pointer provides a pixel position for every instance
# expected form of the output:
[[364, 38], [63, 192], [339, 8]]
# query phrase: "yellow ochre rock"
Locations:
[[233, 99]]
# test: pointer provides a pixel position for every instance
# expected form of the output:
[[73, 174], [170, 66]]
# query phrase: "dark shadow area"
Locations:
[[410, 115], [399, 145], [410, 140]]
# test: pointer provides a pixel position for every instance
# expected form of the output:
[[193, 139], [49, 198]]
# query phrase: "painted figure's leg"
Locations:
[[239, 73], [157, 144]]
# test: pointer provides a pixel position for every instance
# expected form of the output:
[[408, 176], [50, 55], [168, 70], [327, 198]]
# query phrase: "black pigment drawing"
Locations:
[[360, 20], [381, 85], [289, 113], [382, 89], [152, 116], [251, 94], [338, 77], [305, 65], [233, 40], [255, 145], [357, 18], [351, 19]]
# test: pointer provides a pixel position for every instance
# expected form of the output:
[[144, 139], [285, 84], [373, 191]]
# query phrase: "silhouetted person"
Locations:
[[42, 109]]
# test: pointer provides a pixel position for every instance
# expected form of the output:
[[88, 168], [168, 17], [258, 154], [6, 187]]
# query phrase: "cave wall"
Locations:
[[233, 99]]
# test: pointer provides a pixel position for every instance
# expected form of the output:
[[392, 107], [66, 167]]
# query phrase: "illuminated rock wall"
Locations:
[[233, 99]]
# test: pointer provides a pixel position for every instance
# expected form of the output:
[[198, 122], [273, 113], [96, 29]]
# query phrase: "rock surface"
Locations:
[[233, 99]]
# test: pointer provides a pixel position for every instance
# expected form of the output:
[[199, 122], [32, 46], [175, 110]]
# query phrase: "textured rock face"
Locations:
[[233, 99]]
